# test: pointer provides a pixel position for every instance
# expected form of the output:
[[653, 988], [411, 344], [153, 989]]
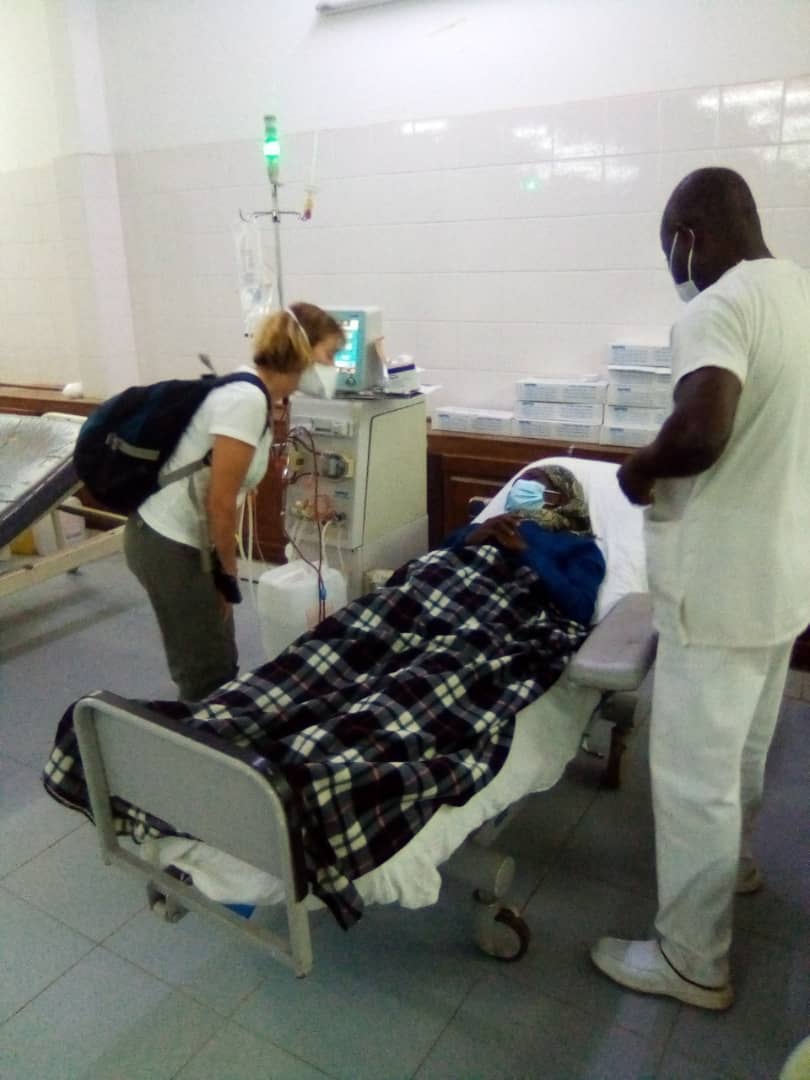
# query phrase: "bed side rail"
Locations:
[[224, 796], [620, 650]]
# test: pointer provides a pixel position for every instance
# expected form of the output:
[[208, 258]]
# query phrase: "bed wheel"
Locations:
[[165, 907], [499, 931]]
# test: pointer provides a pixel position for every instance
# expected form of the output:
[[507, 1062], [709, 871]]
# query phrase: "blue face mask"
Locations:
[[525, 495]]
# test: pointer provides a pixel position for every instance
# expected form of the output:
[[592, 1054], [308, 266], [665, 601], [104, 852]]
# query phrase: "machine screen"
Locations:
[[349, 358]]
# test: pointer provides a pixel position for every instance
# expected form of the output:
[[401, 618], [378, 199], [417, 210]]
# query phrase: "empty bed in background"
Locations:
[[36, 477]]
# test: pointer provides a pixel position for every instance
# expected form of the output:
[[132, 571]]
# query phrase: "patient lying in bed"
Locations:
[[404, 701]]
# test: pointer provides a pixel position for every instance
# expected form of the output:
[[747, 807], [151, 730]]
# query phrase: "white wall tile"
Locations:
[[630, 184], [632, 124], [750, 114], [353, 152], [796, 111], [576, 186], [480, 194], [689, 119], [415, 144], [523, 135], [786, 234], [579, 129], [793, 175], [478, 297], [761, 169], [473, 140], [436, 343]]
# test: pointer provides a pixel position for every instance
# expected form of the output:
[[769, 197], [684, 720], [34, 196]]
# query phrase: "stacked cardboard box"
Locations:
[[639, 394], [560, 408], [480, 421]]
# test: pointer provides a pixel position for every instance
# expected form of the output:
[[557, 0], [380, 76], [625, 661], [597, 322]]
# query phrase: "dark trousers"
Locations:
[[198, 637]]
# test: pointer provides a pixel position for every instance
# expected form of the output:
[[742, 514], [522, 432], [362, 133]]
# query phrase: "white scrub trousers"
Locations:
[[713, 717]]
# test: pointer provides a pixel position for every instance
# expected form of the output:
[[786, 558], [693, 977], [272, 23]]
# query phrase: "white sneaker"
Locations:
[[797, 1066], [642, 966], [749, 878]]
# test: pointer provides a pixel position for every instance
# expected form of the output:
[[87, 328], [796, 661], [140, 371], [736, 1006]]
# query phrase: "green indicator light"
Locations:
[[272, 146]]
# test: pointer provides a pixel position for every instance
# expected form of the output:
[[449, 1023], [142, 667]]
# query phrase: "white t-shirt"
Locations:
[[728, 551], [239, 410]]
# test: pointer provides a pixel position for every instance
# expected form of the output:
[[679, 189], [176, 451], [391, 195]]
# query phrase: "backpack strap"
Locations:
[[195, 466]]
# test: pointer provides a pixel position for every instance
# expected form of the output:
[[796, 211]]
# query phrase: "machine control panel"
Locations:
[[338, 427]]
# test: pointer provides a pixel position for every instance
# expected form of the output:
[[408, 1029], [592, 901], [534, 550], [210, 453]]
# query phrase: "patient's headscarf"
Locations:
[[572, 513]]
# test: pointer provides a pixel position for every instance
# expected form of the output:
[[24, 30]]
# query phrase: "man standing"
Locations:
[[727, 486]]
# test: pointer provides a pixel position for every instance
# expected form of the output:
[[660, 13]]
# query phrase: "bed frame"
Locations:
[[53, 434], [130, 752]]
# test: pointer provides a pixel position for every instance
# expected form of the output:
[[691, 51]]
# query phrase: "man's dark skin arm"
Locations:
[[693, 436], [502, 529]]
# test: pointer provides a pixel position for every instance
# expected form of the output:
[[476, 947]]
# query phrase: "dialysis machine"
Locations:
[[358, 463], [358, 472]]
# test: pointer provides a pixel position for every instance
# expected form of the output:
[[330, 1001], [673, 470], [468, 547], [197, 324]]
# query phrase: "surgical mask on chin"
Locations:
[[319, 380], [687, 290], [525, 495]]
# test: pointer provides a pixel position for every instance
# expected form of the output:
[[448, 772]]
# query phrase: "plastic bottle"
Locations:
[[288, 602]]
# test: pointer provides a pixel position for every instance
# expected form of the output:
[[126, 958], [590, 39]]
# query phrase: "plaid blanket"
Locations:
[[399, 703]]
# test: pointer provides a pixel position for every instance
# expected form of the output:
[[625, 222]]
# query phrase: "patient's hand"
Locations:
[[501, 529]]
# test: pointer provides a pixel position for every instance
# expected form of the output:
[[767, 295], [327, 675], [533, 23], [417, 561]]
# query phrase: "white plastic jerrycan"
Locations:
[[288, 602]]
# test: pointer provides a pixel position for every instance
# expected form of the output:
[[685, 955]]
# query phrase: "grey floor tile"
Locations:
[[70, 882], [194, 955], [378, 996], [677, 1067], [30, 820], [615, 843], [769, 1016], [235, 1054], [36, 950], [781, 910], [566, 916], [543, 822], [504, 1031], [104, 1020]]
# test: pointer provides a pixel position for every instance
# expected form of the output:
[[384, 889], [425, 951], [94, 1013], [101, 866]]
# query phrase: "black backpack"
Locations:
[[124, 444]]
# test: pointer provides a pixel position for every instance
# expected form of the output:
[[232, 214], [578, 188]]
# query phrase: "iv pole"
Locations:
[[276, 215], [272, 150]]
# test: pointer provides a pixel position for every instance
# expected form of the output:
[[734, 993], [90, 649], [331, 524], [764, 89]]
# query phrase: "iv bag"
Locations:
[[256, 284]]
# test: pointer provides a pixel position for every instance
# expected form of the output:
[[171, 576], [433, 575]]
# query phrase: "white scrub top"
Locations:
[[239, 410], [729, 550]]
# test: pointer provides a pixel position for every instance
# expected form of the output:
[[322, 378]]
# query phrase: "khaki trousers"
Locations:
[[198, 635]]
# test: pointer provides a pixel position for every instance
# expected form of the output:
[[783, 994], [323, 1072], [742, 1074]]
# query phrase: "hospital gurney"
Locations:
[[134, 754], [36, 476]]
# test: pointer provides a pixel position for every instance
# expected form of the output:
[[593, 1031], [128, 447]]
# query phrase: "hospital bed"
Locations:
[[248, 848], [36, 477]]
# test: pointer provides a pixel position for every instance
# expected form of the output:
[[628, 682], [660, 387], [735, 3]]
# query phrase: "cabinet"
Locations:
[[269, 538], [36, 400]]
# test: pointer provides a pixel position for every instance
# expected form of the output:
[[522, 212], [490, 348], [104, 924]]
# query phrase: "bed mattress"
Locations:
[[36, 468]]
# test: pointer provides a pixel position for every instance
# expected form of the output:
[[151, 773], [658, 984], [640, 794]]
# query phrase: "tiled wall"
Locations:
[[498, 245], [37, 325], [65, 305]]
